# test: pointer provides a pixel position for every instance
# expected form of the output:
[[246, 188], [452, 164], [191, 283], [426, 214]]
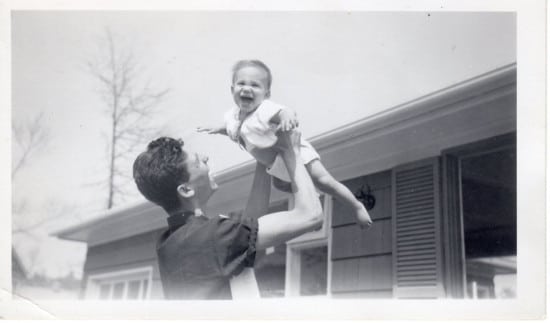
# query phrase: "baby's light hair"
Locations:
[[251, 62]]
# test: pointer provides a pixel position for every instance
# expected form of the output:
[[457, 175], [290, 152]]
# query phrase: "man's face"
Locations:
[[249, 88], [200, 177]]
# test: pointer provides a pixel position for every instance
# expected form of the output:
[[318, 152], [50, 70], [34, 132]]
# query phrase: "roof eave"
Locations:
[[499, 78]]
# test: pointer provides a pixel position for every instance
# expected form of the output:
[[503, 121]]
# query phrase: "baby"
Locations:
[[254, 123]]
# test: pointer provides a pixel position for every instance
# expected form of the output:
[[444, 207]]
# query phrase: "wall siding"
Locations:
[[380, 185], [133, 249], [351, 241], [134, 252], [362, 274], [362, 259]]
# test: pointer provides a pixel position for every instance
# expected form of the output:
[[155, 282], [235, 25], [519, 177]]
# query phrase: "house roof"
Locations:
[[471, 110]]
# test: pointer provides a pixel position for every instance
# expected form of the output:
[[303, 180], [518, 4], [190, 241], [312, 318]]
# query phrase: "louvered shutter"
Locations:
[[417, 258]]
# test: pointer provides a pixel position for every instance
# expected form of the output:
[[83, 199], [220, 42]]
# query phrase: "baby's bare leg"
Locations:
[[324, 181]]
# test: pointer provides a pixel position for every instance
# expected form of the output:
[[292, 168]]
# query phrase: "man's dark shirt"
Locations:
[[197, 255]]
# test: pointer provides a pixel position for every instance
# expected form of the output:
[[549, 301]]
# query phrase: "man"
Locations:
[[199, 254]]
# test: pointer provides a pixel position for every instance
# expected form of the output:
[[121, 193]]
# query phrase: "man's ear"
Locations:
[[268, 93], [186, 191], [232, 88]]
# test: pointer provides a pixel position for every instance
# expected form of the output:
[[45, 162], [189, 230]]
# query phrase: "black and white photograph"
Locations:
[[307, 155]]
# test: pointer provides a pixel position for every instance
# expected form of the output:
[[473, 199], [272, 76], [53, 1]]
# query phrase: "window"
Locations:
[[307, 270], [270, 271], [489, 216], [299, 267], [313, 271], [270, 264], [480, 218], [131, 284]]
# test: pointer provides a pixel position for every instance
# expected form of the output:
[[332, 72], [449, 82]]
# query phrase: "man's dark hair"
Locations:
[[160, 170]]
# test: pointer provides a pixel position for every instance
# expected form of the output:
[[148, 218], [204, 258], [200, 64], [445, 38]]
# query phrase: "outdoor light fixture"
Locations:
[[365, 196]]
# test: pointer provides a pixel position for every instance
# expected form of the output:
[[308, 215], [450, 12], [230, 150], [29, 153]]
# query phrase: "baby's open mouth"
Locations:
[[247, 98], [247, 103]]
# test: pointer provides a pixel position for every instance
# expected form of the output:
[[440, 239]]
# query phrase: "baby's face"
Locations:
[[249, 88]]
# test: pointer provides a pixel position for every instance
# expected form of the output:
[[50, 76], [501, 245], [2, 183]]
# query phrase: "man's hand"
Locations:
[[219, 130], [288, 120]]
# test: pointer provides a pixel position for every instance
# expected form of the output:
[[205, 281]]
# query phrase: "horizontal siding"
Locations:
[[156, 272], [352, 241], [362, 258], [123, 252], [156, 292], [362, 274], [380, 188], [135, 252], [147, 263]]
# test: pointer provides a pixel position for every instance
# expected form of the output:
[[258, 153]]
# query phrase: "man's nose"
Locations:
[[204, 159]]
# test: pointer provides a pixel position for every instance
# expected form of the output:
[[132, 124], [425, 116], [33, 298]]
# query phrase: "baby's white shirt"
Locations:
[[257, 132], [256, 129]]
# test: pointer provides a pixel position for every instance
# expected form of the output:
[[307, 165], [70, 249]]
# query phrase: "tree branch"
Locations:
[[30, 136], [130, 104]]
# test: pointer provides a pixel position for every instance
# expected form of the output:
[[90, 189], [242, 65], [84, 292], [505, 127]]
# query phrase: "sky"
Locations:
[[333, 68]]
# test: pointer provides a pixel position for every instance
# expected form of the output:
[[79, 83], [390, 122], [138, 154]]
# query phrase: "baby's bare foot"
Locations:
[[362, 217]]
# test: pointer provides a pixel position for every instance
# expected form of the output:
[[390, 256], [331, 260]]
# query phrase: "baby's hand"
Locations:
[[212, 130], [288, 140], [288, 120]]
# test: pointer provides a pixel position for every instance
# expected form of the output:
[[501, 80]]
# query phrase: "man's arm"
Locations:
[[258, 201], [276, 228]]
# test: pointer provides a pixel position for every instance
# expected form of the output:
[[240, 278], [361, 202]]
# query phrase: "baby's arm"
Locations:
[[220, 130], [286, 119]]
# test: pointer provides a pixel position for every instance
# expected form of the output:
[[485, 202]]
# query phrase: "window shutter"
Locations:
[[417, 255]]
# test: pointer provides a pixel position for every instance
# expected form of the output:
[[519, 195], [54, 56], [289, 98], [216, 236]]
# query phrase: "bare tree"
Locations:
[[130, 103], [29, 137], [50, 212]]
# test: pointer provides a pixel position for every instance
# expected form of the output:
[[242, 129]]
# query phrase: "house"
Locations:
[[438, 174]]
